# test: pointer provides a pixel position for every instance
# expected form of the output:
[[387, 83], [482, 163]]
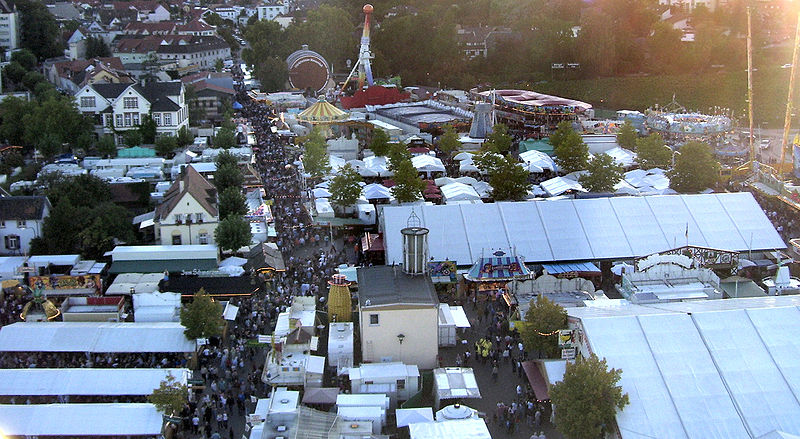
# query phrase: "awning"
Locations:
[[372, 242], [459, 316], [574, 267], [320, 395], [159, 266], [536, 380]]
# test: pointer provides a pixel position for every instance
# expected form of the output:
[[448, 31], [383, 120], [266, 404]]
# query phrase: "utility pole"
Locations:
[[750, 84], [787, 123]]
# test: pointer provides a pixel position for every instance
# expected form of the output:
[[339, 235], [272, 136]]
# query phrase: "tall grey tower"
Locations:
[[481, 121]]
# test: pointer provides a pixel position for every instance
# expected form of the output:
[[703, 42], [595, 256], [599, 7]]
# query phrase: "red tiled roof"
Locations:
[[195, 185]]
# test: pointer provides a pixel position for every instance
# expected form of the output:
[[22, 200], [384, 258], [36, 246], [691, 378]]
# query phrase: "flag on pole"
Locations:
[[687, 231]]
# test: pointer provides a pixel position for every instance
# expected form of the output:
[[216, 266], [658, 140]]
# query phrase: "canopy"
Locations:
[[322, 112], [499, 267], [468, 166], [457, 429], [80, 420], [236, 105], [233, 261], [427, 163], [103, 381], [558, 185], [136, 152], [572, 267], [378, 165], [321, 193], [536, 159], [463, 155], [622, 156], [459, 192], [376, 191], [536, 380], [320, 395], [406, 417]]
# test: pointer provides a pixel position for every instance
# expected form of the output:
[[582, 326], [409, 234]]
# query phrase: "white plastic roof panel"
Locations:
[[565, 231], [485, 232], [606, 238], [759, 390], [757, 228], [523, 222], [674, 224], [703, 404], [718, 228], [25, 382], [651, 412], [80, 420], [640, 226], [779, 329], [447, 230]]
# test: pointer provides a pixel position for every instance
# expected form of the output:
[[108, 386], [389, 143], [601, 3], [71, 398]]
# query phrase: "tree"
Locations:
[[652, 152], [499, 139], [106, 146], [228, 176], [166, 146], [272, 73], [509, 180], [695, 168], [408, 185], [225, 138], [379, 143], [603, 174], [315, 159], [184, 137], [626, 136], [448, 141], [49, 145], [39, 29], [170, 397], [398, 153], [25, 58], [587, 399], [232, 233], [148, 128], [488, 161], [345, 188], [231, 202], [225, 158], [543, 319], [572, 154], [96, 48], [219, 65], [12, 75], [132, 138], [202, 317], [563, 130]]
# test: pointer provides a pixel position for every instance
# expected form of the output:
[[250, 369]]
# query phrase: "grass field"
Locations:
[[694, 91]]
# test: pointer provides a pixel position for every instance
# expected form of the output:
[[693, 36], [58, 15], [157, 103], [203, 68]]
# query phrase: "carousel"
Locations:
[[324, 115], [490, 278], [39, 309]]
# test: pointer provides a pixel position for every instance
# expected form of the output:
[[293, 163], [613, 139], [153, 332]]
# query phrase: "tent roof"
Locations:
[[406, 417], [459, 191], [322, 111], [456, 429], [426, 162], [80, 420], [586, 229], [712, 369], [94, 337], [558, 185], [320, 395], [33, 382]]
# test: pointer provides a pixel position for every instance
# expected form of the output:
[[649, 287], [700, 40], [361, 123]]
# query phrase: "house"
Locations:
[[73, 75], [290, 362], [197, 52], [272, 10], [400, 316], [64, 11], [145, 10], [196, 27], [188, 214], [9, 26], [479, 41], [120, 107], [213, 93], [21, 219], [399, 381]]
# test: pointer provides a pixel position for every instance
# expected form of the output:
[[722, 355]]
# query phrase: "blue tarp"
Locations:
[[237, 106], [574, 267]]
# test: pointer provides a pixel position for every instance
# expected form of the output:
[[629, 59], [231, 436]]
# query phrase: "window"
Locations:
[[130, 103], [176, 239], [128, 119], [87, 101], [21, 224], [12, 242], [118, 118], [136, 118], [373, 320], [199, 216], [401, 384], [167, 119], [157, 119], [202, 238], [109, 120]]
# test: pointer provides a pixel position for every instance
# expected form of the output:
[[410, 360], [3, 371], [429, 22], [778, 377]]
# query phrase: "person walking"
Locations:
[[537, 418], [495, 372]]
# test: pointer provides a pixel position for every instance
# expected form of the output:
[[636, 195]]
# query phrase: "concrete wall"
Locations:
[[420, 326]]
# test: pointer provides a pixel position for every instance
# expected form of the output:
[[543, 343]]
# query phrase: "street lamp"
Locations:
[[400, 338]]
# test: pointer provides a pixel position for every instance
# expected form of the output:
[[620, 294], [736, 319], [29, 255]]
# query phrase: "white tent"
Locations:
[[559, 185], [232, 270], [336, 163], [466, 180], [406, 417], [463, 155], [100, 381], [233, 261], [321, 193], [622, 156], [459, 429], [459, 192], [80, 420], [378, 165], [537, 160], [441, 181], [324, 208], [427, 163], [376, 191], [468, 166], [483, 189]]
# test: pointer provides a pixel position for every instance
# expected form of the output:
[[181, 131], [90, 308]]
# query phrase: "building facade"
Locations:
[[21, 220], [9, 26], [188, 215]]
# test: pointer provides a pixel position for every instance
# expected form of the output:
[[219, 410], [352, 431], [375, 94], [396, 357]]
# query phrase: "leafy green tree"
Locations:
[[226, 158], [49, 145], [345, 188], [315, 159], [563, 130], [408, 185], [132, 138], [25, 58], [106, 146], [202, 317], [56, 117], [96, 48], [12, 75], [12, 112], [108, 226], [14, 159], [184, 137], [448, 142], [379, 143], [219, 65], [39, 29], [82, 190], [228, 176], [231, 202], [695, 168], [226, 34], [499, 139], [543, 319], [587, 399], [233, 233], [147, 129], [488, 161], [32, 79], [572, 154], [603, 174], [166, 146], [509, 180], [398, 153], [327, 30], [225, 138], [652, 152], [272, 73], [266, 39], [170, 397], [626, 136]]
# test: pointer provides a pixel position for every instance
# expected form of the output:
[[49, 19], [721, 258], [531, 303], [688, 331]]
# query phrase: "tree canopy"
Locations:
[[498, 141], [408, 185], [379, 144], [228, 176], [345, 188], [39, 30], [509, 180], [398, 153], [202, 317], [652, 152], [225, 138], [316, 161], [233, 233], [603, 174], [571, 153], [587, 399], [448, 141], [626, 136], [231, 202], [543, 319], [170, 397], [695, 168]]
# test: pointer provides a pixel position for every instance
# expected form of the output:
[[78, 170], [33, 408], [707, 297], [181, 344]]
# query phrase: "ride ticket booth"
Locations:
[[490, 278]]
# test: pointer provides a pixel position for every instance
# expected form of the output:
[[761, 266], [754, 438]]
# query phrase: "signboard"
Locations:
[[266, 339], [558, 65], [443, 271], [568, 353], [566, 338], [23, 269], [573, 65], [53, 282]]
